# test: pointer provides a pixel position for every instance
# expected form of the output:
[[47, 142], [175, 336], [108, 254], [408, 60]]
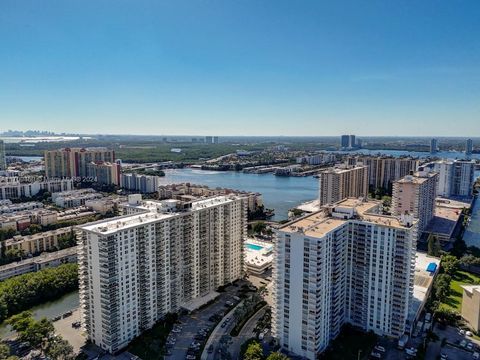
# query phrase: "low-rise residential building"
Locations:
[[446, 221], [23, 219], [13, 188], [36, 243], [258, 256], [43, 261], [6, 206], [74, 198], [471, 306]]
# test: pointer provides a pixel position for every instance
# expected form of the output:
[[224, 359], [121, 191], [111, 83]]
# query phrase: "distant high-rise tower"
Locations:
[[433, 146], [469, 147], [215, 139], [352, 143], [3, 161], [344, 139], [208, 139], [336, 184]]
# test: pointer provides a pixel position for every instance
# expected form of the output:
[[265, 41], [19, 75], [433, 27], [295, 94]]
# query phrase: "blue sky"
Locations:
[[241, 67]]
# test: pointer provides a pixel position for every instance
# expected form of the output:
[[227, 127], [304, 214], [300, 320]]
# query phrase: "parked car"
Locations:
[[379, 348]]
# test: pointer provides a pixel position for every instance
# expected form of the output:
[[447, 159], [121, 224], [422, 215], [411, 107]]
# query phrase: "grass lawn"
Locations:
[[454, 300]]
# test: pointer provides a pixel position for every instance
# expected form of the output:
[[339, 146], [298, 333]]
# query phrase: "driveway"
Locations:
[[192, 323]]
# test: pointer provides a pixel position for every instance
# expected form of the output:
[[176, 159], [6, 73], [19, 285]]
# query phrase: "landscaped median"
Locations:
[[244, 312]]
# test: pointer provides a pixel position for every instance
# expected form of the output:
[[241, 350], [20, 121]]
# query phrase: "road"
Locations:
[[193, 322], [246, 333], [217, 334]]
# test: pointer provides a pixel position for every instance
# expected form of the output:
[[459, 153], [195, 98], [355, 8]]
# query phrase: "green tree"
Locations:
[[67, 240], [59, 349], [442, 286], [4, 351], [449, 264], [254, 351], [433, 246], [277, 356], [22, 292], [259, 227]]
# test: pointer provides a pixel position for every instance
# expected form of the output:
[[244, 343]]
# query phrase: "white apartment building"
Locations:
[[415, 194], [141, 183], [75, 198], [13, 188], [158, 258], [456, 177], [343, 264]]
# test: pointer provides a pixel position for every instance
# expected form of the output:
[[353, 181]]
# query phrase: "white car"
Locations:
[[461, 332], [468, 333], [379, 348], [376, 355], [476, 355], [463, 343]]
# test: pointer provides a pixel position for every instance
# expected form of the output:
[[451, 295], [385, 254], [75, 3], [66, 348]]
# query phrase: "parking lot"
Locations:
[[187, 338]]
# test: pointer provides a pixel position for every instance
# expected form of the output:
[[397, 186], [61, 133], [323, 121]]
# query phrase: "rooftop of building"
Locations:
[[43, 258], [320, 223], [37, 236], [153, 211], [418, 177], [423, 281], [343, 169], [471, 288]]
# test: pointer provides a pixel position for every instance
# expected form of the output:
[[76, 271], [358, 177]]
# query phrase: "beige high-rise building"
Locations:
[[73, 162], [339, 183], [415, 194], [383, 171]]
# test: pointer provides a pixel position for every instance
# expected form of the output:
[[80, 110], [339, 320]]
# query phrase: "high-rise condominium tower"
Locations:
[[74, 162], [157, 259], [415, 194], [383, 171], [469, 147], [338, 183], [343, 264], [3, 160]]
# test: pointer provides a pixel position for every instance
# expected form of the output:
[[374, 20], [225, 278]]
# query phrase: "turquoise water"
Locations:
[[254, 247], [279, 192]]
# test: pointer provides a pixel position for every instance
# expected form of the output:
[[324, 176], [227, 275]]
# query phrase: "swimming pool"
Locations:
[[254, 247]]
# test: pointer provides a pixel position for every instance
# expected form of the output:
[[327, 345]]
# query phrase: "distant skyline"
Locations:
[[245, 67]]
